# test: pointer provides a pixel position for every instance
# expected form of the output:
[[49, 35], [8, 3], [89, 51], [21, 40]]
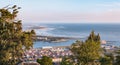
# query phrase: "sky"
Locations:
[[67, 11]]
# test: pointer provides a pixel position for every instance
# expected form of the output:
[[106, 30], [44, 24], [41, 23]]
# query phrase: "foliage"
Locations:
[[117, 61], [45, 61], [66, 61], [93, 37], [12, 39], [38, 60], [87, 52], [107, 60]]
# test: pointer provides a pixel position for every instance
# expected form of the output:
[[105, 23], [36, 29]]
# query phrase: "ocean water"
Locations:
[[108, 32]]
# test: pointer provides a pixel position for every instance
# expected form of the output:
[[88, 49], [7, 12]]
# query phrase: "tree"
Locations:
[[13, 41], [107, 60], [87, 52], [117, 61], [45, 61], [39, 61], [66, 61], [93, 37]]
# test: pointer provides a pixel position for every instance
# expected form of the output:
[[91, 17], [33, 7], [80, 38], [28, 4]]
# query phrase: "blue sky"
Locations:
[[67, 11]]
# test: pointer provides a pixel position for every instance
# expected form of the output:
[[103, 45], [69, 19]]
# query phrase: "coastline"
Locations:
[[49, 47], [55, 39], [71, 32]]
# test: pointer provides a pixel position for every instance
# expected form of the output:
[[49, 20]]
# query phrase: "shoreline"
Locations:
[[55, 39], [48, 47]]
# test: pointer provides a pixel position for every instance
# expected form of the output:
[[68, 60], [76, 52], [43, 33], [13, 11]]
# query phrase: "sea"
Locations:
[[108, 32]]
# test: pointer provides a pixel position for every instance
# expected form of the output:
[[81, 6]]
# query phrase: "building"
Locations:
[[29, 63]]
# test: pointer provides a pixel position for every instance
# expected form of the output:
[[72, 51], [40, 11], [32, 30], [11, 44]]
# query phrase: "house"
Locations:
[[29, 63]]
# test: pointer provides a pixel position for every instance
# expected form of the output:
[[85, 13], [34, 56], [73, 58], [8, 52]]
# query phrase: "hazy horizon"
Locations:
[[67, 11]]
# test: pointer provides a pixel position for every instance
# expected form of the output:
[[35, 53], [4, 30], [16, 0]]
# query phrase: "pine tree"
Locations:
[[106, 60], [87, 52], [13, 41]]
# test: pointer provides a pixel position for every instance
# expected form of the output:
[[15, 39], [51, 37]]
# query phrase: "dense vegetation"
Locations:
[[90, 52], [45, 61], [117, 61], [87, 52], [66, 61], [12, 39]]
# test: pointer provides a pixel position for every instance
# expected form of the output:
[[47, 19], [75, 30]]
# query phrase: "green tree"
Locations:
[[87, 52], [13, 41], [45, 61], [117, 61], [39, 61], [66, 61], [107, 60], [94, 37]]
